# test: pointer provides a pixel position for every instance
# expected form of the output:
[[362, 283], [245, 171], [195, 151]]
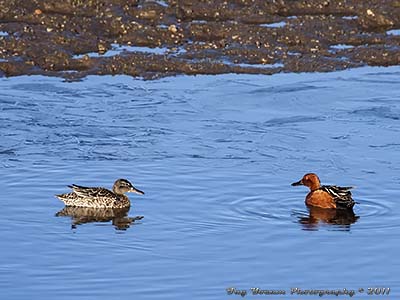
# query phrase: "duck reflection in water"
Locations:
[[83, 215], [343, 218]]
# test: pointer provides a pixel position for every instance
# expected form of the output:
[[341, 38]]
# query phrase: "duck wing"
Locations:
[[92, 192], [341, 195]]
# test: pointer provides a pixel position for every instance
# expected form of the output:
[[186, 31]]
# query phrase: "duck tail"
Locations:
[[66, 198], [60, 196], [345, 203], [347, 187]]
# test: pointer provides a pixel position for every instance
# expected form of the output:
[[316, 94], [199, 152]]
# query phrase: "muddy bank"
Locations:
[[150, 39]]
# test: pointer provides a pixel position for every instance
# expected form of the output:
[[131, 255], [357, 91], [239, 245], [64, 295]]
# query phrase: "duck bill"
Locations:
[[297, 183], [136, 191]]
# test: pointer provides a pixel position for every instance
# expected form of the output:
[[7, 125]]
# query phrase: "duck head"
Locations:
[[122, 186], [310, 180]]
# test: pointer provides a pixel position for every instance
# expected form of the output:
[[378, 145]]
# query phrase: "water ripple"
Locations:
[[378, 112]]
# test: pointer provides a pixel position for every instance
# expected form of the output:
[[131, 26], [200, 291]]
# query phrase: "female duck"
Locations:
[[98, 197], [326, 196]]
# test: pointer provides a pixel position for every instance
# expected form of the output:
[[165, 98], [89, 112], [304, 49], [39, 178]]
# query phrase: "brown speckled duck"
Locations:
[[98, 197]]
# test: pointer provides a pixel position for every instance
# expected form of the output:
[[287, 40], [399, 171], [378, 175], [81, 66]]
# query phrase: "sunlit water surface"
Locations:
[[215, 156]]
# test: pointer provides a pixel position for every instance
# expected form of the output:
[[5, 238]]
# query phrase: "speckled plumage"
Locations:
[[98, 197]]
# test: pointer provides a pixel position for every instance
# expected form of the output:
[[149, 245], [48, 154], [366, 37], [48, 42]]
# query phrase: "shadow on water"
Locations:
[[84, 215], [340, 218]]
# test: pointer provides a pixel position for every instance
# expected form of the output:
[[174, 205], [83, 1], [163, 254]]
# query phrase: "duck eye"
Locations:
[[126, 184]]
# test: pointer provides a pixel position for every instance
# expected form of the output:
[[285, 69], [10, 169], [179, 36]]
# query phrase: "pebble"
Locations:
[[172, 28]]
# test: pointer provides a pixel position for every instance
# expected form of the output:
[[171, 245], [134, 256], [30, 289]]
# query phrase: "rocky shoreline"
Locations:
[[152, 39]]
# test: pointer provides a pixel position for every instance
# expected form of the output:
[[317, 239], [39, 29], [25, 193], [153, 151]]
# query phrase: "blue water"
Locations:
[[215, 156]]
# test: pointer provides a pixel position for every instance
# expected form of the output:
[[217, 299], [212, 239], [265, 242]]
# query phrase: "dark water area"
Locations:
[[215, 156]]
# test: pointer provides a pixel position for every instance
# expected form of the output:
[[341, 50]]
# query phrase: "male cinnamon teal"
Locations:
[[326, 196], [98, 197]]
